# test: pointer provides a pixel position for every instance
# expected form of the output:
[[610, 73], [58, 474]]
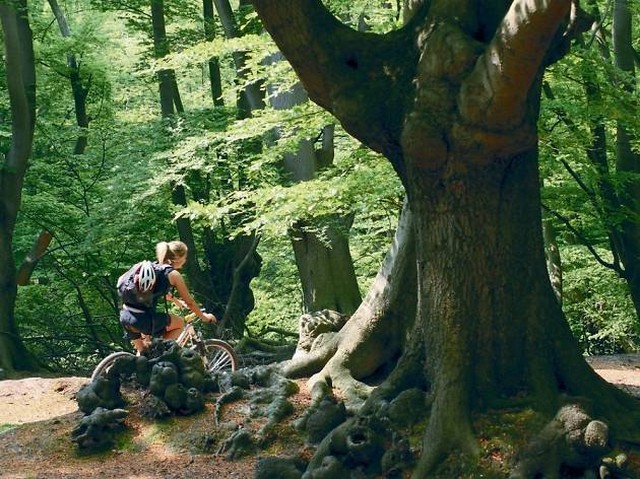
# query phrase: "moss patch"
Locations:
[[500, 435]]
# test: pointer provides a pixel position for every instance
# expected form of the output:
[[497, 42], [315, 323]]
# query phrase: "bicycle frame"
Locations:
[[187, 333], [217, 355]]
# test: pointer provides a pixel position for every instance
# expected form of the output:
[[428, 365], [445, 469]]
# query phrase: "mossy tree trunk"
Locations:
[[452, 101]]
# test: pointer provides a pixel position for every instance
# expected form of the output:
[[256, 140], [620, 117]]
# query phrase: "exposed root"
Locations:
[[352, 391], [449, 430], [307, 364]]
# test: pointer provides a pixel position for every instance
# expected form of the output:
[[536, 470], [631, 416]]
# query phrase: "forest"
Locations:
[[266, 138], [119, 163], [111, 173]]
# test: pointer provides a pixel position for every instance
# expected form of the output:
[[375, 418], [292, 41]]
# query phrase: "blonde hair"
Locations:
[[166, 252]]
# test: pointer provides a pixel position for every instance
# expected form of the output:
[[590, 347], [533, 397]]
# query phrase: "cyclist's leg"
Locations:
[[166, 325], [127, 320], [174, 328]]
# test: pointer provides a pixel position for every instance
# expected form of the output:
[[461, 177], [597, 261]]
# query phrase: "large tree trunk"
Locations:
[[326, 268], [21, 86], [375, 334], [452, 102], [324, 262], [168, 87]]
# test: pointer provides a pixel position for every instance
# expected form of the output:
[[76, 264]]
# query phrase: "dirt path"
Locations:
[[37, 416], [46, 411], [622, 370], [36, 399]]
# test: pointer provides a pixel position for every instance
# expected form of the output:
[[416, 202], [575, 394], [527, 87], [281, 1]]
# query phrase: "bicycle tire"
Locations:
[[219, 356], [103, 366]]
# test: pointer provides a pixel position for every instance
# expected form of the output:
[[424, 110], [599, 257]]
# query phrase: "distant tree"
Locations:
[[599, 127], [214, 65], [323, 257]]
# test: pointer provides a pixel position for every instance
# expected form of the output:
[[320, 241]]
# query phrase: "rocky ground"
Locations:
[[38, 414]]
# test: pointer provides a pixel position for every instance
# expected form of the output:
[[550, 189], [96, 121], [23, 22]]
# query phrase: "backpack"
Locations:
[[128, 291]]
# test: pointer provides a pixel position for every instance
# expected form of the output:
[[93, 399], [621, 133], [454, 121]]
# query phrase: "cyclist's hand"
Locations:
[[209, 318]]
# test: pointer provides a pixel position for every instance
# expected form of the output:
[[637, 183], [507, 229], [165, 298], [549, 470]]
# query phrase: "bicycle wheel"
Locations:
[[105, 365], [219, 356]]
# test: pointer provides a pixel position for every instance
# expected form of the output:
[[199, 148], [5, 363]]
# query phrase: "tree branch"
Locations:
[[495, 94], [30, 262], [303, 29], [358, 77], [613, 266]]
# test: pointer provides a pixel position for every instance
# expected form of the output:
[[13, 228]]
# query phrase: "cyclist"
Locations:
[[153, 281]]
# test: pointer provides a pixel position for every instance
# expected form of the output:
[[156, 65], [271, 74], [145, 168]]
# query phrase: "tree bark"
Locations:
[[169, 96], [452, 101], [21, 86], [375, 333], [250, 97], [552, 255], [326, 268], [37, 251]]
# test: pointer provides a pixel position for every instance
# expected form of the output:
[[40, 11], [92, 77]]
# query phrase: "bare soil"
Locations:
[[38, 414]]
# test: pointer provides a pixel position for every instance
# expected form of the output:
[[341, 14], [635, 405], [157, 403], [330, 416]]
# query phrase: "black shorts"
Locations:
[[150, 323]]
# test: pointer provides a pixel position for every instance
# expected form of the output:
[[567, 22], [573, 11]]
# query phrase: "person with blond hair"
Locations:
[[152, 281]]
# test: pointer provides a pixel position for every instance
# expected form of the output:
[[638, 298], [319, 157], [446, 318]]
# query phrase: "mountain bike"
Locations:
[[217, 355]]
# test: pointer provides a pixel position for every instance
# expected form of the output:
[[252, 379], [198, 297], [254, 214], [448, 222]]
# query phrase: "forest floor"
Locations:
[[38, 414]]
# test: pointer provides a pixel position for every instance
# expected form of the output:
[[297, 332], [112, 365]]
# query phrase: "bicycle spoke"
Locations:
[[219, 361], [219, 356]]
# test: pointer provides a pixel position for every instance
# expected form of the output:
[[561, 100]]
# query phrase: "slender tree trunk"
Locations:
[[198, 278], [170, 102], [37, 251], [604, 196], [79, 91], [21, 86], [166, 77], [214, 66], [552, 255], [250, 97]]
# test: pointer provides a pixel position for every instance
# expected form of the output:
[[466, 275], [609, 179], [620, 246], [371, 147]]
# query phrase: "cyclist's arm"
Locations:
[[177, 301], [177, 281]]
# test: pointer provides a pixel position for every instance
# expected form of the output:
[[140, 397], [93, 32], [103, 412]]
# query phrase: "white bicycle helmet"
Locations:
[[146, 277]]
